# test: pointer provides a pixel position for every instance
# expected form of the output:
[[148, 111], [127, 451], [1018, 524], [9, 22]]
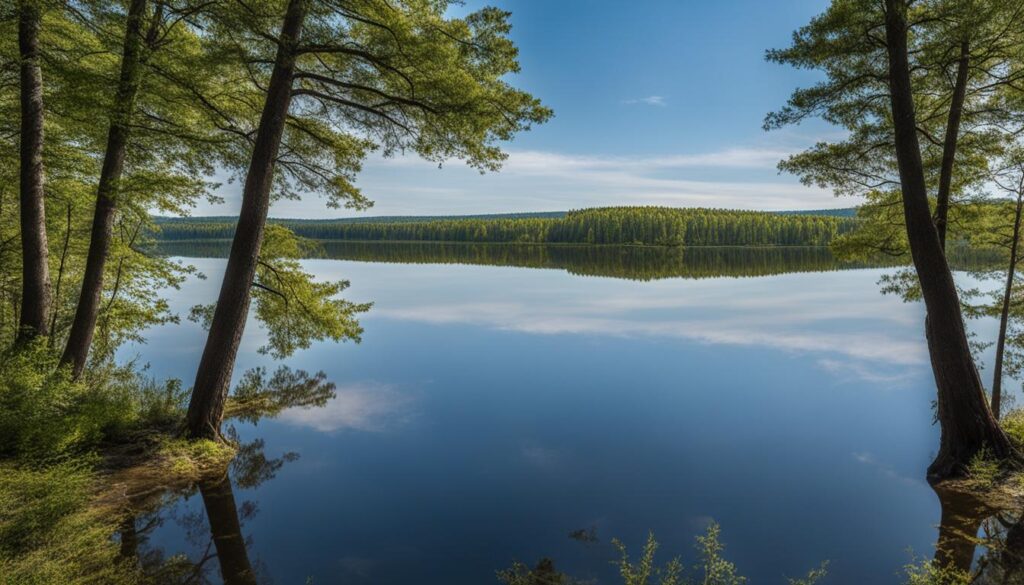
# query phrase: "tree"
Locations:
[[156, 147], [863, 48], [964, 51], [345, 77], [35, 306], [137, 35], [966, 421]]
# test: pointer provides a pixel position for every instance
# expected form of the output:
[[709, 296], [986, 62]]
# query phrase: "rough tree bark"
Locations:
[[35, 282], [966, 422], [221, 511], [1004, 313], [956, 108], [76, 352], [206, 407]]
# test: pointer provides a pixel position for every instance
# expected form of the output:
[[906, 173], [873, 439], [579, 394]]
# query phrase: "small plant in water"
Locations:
[[713, 568], [931, 572], [641, 572]]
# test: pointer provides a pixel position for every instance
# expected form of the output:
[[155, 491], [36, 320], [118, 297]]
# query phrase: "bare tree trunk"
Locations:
[[76, 352], [222, 513], [206, 407], [956, 109], [35, 282], [60, 277], [1004, 315], [966, 422]]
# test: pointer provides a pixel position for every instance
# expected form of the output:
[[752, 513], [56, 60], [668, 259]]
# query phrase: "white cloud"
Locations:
[[360, 407], [651, 100], [743, 177]]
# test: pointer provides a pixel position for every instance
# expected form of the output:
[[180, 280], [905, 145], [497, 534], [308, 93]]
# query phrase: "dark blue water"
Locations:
[[491, 411]]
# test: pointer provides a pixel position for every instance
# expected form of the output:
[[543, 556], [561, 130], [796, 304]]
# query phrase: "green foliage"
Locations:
[[644, 571], [716, 570], [256, 396], [984, 469], [813, 576], [650, 226], [46, 415], [48, 533], [43, 413], [294, 308], [1012, 423], [712, 569], [931, 572], [543, 574]]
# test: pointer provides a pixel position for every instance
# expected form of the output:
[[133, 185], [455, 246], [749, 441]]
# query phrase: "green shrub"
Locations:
[[48, 533], [43, 413], [931, 572], [1013, 424], [983, 468]]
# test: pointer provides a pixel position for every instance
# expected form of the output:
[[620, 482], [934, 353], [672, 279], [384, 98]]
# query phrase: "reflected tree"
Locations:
[[967, 524], [218, 536]]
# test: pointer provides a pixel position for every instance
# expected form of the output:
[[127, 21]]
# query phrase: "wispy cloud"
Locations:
[[360, 407], [651, 100], [743, 177]]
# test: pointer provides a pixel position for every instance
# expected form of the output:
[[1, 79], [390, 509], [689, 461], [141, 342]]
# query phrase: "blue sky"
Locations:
[[656, 102]]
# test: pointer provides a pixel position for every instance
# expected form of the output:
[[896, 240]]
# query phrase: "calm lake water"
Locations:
[[491, 410]]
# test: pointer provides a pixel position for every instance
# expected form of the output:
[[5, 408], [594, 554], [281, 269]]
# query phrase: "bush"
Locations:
[[48, 534], [931, 572], [1013, 424], [44, 414], [984, 468]]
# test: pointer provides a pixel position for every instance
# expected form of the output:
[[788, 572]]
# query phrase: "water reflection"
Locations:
[[629, 262], [490, 411], [220, 548], [980, 541], [226, 532]]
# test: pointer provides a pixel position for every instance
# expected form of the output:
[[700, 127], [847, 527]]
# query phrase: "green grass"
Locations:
[[49, 532]]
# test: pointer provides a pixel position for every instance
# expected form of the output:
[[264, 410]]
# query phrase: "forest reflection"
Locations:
[[629, 262], [969, 527], [216, 532]]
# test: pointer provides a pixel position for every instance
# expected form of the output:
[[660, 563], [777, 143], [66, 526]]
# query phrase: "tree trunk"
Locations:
[[967, 424], [1004, 315], [206, 407], [222, 513], [60, 277], [956, 108], [962, 515], [84, 324], [35, 283]]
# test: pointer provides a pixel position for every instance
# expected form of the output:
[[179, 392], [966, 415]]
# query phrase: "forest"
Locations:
[[115, 115], [641, 263], [648, 226]]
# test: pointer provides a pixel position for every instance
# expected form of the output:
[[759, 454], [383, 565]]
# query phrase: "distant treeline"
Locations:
[[651, 226], [629, 262]]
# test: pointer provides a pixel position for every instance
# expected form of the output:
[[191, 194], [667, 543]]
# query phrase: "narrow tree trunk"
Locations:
[[129, 550], [60, 277], [206, 407], [35, 282], [1004, 315], [956, 108], [84, 324], [222, 513], [966, 422]]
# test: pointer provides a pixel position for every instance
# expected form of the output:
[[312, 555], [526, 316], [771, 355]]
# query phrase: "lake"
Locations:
[[511, 403]]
